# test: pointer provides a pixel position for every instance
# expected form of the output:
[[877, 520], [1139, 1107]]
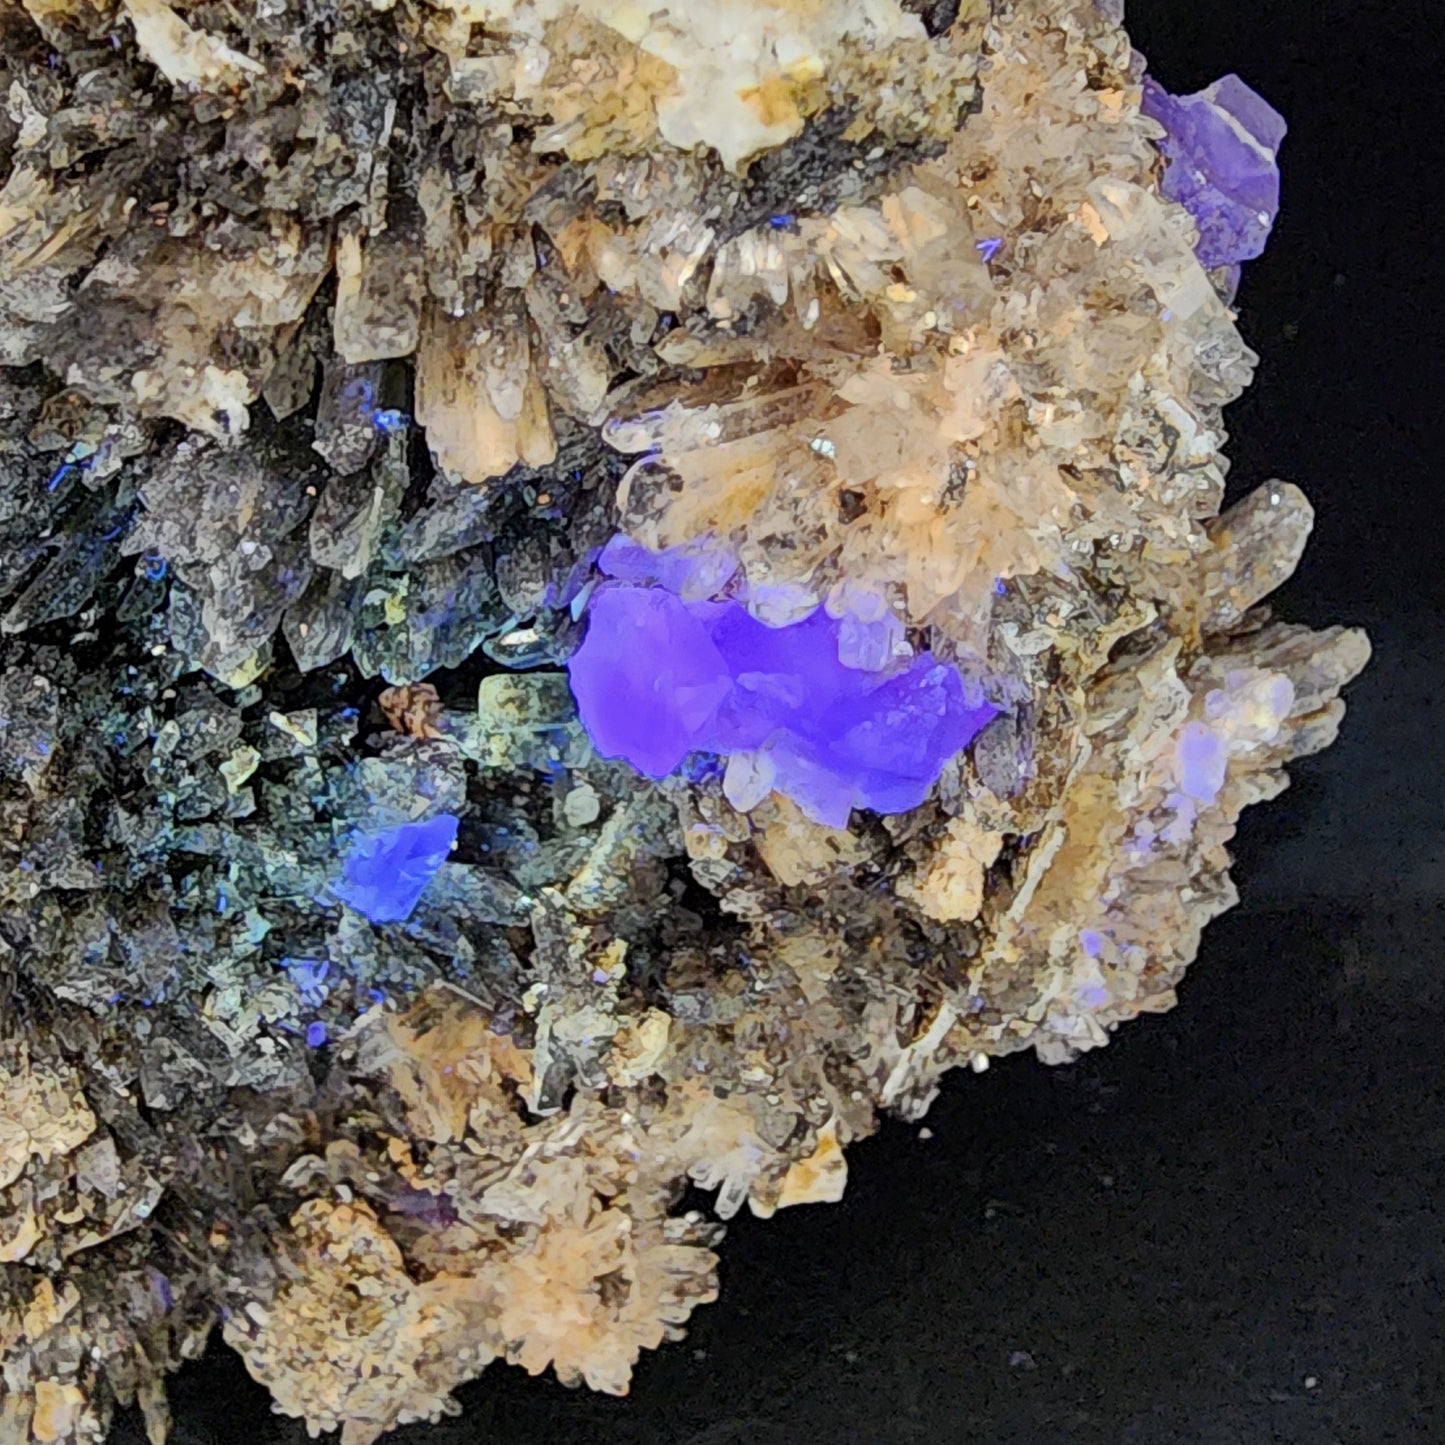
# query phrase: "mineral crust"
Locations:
[[591, 596]]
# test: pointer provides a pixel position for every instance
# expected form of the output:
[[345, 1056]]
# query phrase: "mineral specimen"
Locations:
[[594, 594]]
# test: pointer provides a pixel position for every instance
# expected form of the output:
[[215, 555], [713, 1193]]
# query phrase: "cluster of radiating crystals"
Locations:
[[592, 594]]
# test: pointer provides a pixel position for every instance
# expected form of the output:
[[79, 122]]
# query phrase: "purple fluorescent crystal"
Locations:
[[657, 678], [386, 873], [310, 976], [647, 678], [1203, 762], [1221, 145]]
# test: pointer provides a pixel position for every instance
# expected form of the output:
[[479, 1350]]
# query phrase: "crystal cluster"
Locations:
[[591, 596], [801, 709]]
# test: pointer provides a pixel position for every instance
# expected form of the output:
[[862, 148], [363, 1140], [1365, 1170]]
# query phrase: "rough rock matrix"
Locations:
[[593, 594]]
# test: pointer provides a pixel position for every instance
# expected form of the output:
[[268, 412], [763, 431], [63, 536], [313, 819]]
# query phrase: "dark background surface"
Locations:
[[1228, 1228]]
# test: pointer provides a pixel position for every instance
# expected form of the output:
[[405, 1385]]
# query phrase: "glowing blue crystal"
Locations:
[[309, 975], [386, 873], [1203, 758], [658, 678]]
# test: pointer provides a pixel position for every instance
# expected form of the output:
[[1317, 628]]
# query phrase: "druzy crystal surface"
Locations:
[[591, 597]]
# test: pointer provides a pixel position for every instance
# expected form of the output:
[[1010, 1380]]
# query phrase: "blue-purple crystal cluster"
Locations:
[[386, 873], [664, 673], [1221, 145]]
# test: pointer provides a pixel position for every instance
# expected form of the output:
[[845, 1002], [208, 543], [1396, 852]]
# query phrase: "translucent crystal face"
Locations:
[[386, 873], [1222, 147]]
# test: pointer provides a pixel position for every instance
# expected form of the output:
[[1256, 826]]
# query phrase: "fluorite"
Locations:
[[658, 677], [386, 873], [1222, 147]]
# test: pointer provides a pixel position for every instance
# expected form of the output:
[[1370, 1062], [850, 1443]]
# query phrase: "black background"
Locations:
[[1229, 1226]]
